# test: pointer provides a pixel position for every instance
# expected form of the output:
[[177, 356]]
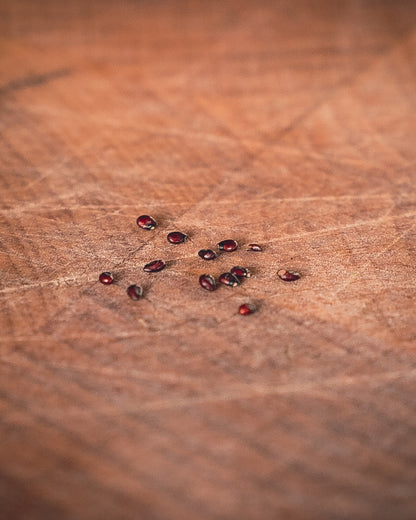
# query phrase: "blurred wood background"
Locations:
[[291, 124]]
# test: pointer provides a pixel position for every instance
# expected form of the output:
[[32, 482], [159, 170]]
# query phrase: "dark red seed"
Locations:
[[254, 247], [288, 276], [207, 282], [240, 272], [228, 245], [135, 292], [207, 254], [229, 279], [153, 267], [106, 278], [176, 237], [146, 222], [246, 308]]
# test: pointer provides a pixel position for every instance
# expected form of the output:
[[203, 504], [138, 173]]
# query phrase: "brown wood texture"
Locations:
[[290, 124]]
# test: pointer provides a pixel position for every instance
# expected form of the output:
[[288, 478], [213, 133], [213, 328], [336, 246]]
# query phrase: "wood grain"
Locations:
[[290, 124]]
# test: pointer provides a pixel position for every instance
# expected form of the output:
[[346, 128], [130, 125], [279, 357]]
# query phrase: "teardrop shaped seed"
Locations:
[[229, 279], [207, 282], [146, 222], [246, 308], [153, 267], [254, 247], [207, 254], [228, 245], [177, 237], [135, 292], [288, 276], [106, 278], [240, 272]]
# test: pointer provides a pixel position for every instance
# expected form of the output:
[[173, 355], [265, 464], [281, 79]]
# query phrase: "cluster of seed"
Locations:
[[231, 279]]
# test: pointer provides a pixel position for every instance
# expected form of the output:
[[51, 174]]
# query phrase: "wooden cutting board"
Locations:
[[289, 124]]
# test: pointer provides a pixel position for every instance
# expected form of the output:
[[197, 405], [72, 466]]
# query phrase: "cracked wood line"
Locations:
[[287, 124]]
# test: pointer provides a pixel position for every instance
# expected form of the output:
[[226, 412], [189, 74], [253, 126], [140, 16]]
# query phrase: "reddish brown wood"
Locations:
[[290, 124]]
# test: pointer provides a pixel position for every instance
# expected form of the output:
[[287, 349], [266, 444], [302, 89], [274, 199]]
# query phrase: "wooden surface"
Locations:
[[291, 124]]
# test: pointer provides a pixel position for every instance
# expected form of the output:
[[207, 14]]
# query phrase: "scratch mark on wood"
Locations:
[[358, 223], [254, 391], [57, 282], [34, 80], [377, 255]]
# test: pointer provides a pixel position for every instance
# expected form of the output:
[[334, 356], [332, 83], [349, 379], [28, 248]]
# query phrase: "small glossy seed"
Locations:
[[207, 282], [106, 278], [240, 272], [153, 267], [288, 276], [246, 308], [176, 237], [207, 254], [228, 245], [254, 247], [229, 279], [135, 292], [146, 222]]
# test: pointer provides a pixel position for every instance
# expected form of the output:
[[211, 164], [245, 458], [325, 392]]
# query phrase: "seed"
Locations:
[[106, 278], [207, 282], [254, 247], [229, 279], [146, 222], [240, 272], [135, 292], [288, 276], [228, 245], [207, 254], [153, 267], [246, 308], [176, 237]]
